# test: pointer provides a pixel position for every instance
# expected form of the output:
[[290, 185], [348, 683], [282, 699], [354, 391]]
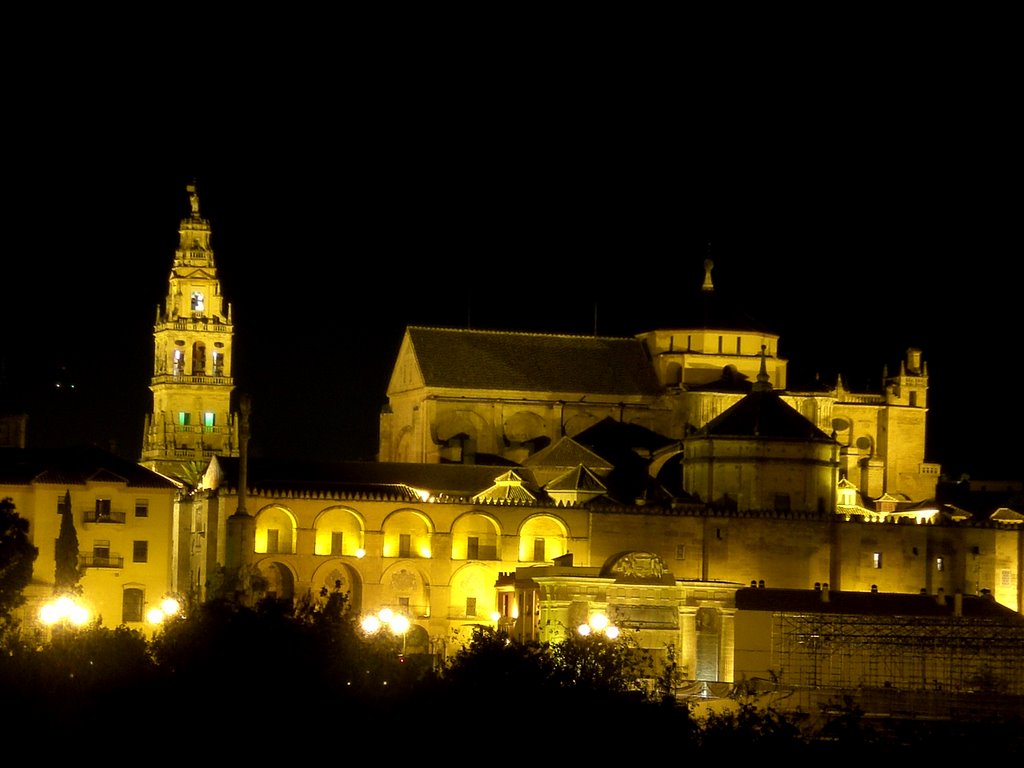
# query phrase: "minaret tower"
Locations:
[[192, 384]]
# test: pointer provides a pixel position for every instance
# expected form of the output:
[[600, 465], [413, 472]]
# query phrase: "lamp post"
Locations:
[[598, 624], [385, 618], [158, 614], [64, 611]]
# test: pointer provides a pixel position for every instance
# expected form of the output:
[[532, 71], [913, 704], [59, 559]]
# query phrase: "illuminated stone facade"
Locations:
[[124, 520], [192, 381], [416, 539], [465, 395]]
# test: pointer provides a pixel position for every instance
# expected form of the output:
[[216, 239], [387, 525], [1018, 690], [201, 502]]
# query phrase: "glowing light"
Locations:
[[155, 616], [64, 609], [600, 625], [360, 553], [170, 606], [397, 623], [495, 616]]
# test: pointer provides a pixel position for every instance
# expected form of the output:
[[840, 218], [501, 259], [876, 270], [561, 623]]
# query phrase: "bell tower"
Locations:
[[192, 383]]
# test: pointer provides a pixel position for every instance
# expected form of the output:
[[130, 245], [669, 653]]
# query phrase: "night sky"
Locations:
[[856, 224]]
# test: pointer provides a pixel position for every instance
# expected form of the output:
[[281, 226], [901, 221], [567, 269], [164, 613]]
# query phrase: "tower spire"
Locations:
[[191, 420], [708, 266]]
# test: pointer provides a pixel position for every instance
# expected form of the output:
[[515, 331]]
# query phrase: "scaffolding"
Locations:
[[945, 655]]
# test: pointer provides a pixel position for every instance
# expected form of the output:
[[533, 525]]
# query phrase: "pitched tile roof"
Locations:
[[763, 413], [872, 603], [75, 465], [532, 362]]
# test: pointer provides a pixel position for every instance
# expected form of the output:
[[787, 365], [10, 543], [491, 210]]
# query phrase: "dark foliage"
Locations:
[[247, 676], [17, 554], [66, 572]]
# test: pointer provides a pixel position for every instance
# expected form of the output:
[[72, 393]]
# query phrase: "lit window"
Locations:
[[939, 564], [198, 301], [184, 418], [208, 419], [876, 559]]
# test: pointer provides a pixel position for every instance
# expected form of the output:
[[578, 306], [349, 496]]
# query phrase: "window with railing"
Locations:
[[101, 557]]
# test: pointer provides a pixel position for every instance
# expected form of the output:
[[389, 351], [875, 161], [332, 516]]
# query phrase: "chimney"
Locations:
[[824, 592]]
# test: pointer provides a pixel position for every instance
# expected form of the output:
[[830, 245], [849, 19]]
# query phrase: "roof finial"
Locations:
[[193, 198], [708, 266], [763, 384]]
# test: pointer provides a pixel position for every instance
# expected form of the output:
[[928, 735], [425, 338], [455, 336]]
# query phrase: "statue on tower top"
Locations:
[[193, 198]]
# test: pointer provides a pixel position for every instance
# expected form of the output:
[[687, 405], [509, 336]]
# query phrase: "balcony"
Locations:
[[92, 516], [101, 561]]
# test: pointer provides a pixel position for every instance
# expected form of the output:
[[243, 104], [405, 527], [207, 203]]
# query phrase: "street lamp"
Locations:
[[168, 607], [64, 610], [598, 624], [396, 623]]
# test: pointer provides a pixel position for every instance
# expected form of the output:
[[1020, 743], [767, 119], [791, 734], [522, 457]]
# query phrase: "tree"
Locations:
[[66, 572], [17, 555]]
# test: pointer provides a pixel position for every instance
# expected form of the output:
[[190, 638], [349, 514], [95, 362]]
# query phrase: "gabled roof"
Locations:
[[579, 479], [450, 358], [76, 465], [567, 453], [507, 487], [1006, 515], [763, 414], [610, 438]]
